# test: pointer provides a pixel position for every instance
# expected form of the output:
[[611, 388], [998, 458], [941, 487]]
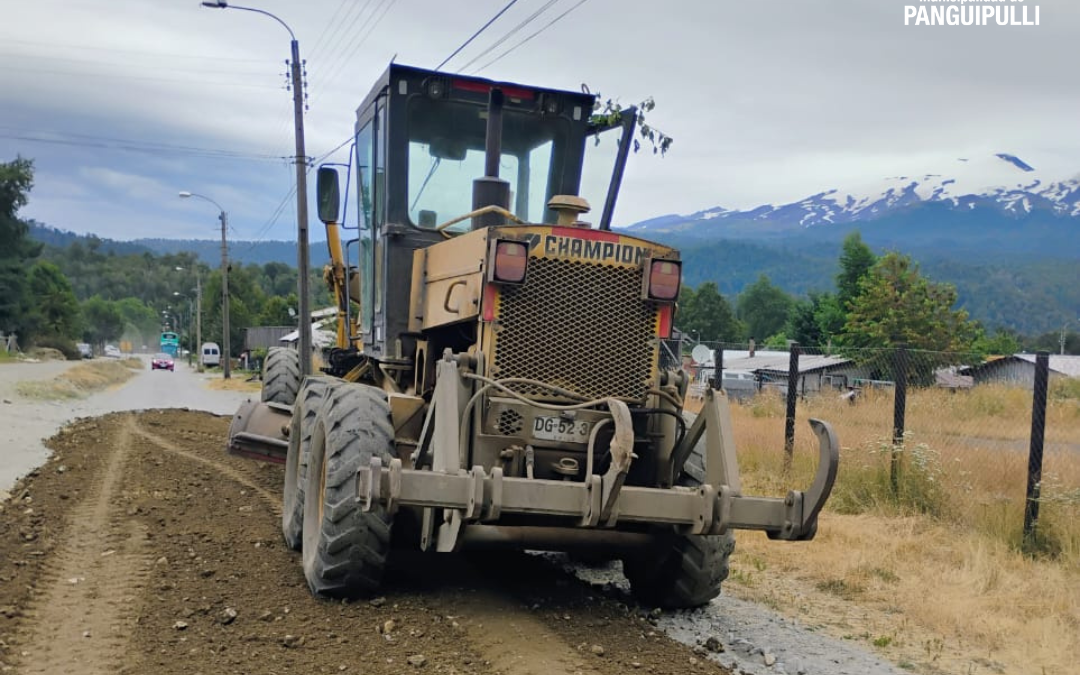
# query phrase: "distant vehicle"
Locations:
[[170, 343], [162, 361], [112, 351], [84, 350], [210, 354], [739, 384]]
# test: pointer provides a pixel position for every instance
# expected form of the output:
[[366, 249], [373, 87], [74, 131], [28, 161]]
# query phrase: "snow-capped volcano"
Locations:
[[1002, 182]]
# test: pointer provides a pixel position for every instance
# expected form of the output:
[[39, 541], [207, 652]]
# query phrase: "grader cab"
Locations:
[[498, 378]]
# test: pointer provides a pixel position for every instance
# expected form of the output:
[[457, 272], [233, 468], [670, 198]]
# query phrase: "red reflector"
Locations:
[[664, 329], [511, 260], [664, 276], [483, 88]]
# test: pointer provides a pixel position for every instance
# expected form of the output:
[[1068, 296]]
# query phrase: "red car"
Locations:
[[162, 361]]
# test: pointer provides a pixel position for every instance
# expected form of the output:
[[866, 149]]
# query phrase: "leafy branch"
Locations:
[[608, 114]]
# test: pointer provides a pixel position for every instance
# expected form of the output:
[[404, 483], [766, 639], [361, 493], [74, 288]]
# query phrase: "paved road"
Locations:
[[25, 423]]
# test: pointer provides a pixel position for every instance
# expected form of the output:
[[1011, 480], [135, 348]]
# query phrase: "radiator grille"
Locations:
[[579, 326]]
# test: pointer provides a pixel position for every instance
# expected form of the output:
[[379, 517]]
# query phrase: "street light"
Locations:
[[179, 315], [301, 187], [224, 218], [1064, 332], [197, 347]]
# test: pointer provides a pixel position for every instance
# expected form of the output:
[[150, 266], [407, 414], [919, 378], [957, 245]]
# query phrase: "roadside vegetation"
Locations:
[[82, 379], [934, 569]]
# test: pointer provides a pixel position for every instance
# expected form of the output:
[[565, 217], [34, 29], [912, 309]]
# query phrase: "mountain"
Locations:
[[1007, 236], [998, 204], [207, 250]]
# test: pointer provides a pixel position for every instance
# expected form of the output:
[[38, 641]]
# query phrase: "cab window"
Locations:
[[446, 153]]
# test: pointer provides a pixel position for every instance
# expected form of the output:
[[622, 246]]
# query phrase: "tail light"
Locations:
[[663, 280], [509, 262]]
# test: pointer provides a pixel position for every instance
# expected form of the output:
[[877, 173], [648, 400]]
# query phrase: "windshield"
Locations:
[[446, 153]]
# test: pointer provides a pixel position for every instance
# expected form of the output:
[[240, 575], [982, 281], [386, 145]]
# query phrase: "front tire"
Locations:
[[682, 571], [305, 411], [281, 376], [345, 549]]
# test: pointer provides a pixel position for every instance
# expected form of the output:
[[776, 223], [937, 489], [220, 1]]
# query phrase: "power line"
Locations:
[[544, 28], [136, 146], [332, 23], [341, 29], [477, 33], [129, 64], [125, 76], [272, 220], [373, 23], [57, 46], [336, 148], [509, 34]]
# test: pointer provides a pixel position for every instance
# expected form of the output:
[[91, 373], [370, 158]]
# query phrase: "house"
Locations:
[[1019, 369], [770, 370], [264, 337]]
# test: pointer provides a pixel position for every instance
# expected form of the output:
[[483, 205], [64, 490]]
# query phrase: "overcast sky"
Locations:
[[768, 101]]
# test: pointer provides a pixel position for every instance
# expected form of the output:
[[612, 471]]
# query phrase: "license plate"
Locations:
[[559, 429]]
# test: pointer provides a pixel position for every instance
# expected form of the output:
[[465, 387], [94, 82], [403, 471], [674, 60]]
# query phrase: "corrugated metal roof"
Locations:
[[1062, 363], [777, 361]]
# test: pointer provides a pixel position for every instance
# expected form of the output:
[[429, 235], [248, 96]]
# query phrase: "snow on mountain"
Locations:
[[1003, 181]]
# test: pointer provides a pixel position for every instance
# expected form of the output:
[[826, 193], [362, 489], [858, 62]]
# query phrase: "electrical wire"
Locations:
[[545, 27], [83, 140], [510, 33], [11, 56], [141, 53], [477, 33], [333, 23], [125, 76], [373, 23]]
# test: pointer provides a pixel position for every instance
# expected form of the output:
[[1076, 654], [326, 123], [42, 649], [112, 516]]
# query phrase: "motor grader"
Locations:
[[498, 378]]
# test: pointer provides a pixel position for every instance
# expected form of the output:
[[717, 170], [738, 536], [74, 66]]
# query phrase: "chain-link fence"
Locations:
[[949, 434]]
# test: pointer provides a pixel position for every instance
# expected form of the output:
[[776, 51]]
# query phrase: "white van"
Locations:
[[210, 354]]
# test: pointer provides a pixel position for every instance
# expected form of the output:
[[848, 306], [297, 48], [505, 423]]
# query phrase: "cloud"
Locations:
[[766, 101]]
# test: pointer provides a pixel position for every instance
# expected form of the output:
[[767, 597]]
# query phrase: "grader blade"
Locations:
[[260, 430]]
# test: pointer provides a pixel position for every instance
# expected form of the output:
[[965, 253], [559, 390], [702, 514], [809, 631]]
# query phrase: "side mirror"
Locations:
[[328, 195]]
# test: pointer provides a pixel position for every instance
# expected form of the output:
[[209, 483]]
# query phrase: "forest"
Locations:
[[69, 289]]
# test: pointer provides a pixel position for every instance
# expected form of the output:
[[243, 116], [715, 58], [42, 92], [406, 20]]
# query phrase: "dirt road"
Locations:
[[141, 547]]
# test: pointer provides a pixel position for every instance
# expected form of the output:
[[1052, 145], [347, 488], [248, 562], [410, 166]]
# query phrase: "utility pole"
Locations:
[[198, 321], [225, 350], [303, 259], [302, 262]]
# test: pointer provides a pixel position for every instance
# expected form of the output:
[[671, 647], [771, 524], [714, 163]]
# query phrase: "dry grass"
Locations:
[[235, 384], [81, 380], [932, 575]]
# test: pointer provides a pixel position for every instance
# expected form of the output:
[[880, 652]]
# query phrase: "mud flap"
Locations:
[[260, 430]]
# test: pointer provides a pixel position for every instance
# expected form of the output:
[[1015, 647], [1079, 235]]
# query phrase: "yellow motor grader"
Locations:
[[499, 377]]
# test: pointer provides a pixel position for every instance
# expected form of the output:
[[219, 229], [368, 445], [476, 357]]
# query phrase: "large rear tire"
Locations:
[[345, 549], [305, 410], [281, 376], [682, 571]]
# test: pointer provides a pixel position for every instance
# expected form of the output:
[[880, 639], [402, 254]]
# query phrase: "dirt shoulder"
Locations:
[[141, 547]]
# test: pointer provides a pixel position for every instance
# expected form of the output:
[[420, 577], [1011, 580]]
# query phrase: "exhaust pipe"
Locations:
[[490, 189]]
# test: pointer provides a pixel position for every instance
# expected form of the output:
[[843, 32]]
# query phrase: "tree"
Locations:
[[896, 304], [1001, 343], [764, 308], [54, 307], [141, 319], [102, 320], [276, 311], [707, 314], [856, 259], [16, 249]]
